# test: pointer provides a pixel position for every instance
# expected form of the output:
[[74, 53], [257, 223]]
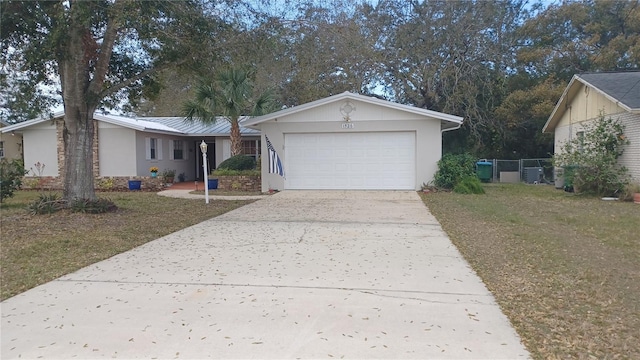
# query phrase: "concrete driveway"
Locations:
[[301, 274]]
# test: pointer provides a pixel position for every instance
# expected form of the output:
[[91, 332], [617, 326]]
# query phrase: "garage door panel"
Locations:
[[350, 161]]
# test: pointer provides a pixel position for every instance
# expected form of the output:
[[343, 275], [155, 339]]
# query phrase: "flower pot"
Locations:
[[636, 198], [212, 184], [154, 174], [135, 184]]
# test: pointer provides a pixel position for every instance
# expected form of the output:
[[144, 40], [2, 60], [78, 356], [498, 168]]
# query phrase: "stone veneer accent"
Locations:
[[239, 183], [121, 183], [107, 183]]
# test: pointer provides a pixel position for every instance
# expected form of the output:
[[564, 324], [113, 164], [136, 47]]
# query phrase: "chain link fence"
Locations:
[[531, 171]]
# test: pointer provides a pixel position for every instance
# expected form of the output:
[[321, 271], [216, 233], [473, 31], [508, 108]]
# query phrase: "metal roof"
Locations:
[[221, 127], [168, 125]]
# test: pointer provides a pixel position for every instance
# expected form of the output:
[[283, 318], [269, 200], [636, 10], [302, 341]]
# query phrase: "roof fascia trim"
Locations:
[[555, 114], [29, 123]]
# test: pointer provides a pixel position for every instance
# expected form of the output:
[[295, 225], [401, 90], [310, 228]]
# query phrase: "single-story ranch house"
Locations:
[[614, 94], [346, 141], [126, 148]]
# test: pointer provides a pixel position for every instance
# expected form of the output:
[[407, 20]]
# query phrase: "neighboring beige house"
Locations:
[[616, 95], [10, 144], [351, 141], [127, 147]]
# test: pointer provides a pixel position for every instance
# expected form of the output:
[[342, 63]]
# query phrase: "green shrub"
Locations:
[[591, 160], [469, 185], [238, 162], [46, 204], [225, 172], [11, 173], [98, 206], [452, 168]]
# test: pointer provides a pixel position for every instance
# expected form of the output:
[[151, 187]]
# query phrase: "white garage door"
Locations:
[[364, 161]]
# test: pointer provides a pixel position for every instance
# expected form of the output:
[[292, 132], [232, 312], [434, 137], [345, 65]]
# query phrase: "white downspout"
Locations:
[[453, 128]]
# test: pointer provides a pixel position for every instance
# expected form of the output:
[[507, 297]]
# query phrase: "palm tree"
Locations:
[[229, 96]]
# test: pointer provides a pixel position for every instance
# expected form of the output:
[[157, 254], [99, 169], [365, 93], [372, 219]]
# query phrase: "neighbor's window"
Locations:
[[251, 148], [1, 149], [153, 148], [178, 150]]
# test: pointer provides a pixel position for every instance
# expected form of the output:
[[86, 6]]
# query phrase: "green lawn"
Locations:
[[38, 249], [564, 268]]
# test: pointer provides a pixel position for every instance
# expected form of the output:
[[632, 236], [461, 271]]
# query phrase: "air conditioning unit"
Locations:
[[532, 175]]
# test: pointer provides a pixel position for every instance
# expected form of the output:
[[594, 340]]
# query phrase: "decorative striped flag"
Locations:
[[275, 165]]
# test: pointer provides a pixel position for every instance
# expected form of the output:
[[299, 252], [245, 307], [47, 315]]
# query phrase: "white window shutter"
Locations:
[[159, 149], [147, 148], [185, 150], [226, 149], [171, 148]]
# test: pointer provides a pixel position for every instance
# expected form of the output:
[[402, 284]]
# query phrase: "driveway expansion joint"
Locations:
[[369, 291]]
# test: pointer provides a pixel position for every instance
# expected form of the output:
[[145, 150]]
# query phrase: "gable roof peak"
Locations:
[[619, 87]]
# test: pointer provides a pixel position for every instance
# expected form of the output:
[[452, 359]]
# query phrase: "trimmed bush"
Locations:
[[469, 185], [225, 172], [452, 168], [238, 162]]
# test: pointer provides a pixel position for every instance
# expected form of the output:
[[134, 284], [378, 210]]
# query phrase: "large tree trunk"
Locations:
[[236, 143], [78, 153], [78, 130]]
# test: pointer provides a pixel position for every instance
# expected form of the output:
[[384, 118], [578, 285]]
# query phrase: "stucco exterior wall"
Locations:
[[186, 165], [40, 145], [116, 149], [363, 112], [366, 118]]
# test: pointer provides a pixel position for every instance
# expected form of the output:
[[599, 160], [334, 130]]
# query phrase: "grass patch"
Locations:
[[37, 249], [564, 268]]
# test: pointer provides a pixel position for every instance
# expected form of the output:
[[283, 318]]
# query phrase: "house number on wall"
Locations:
[[348, 126]]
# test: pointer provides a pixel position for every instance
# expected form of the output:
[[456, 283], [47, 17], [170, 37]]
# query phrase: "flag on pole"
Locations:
[[275, 165]]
